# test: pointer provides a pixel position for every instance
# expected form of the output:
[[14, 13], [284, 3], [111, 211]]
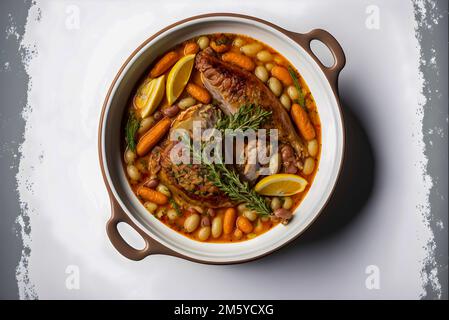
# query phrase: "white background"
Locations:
[[62, 191]]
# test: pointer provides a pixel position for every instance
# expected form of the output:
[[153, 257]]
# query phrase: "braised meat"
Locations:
[[233, 87]]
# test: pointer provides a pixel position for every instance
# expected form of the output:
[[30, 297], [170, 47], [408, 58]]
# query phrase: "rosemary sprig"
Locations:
[[132, 125], [301, 99], [226, 179], [247, 117], [237, 190]]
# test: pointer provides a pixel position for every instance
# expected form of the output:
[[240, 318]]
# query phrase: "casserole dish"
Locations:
[[322, 81]]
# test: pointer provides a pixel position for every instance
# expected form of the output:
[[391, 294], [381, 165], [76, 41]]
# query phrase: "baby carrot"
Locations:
[[164, 64], [239, 60], [244, 224], [190, 48], [229, 220], [302, 121], [198, 93], [282, 74], [152, 137], [152, 195]]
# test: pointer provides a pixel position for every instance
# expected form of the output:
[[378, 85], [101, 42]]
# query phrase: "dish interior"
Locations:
[[331, 140]]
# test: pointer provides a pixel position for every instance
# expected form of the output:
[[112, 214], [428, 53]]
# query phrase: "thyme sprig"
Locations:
[[247, 117]]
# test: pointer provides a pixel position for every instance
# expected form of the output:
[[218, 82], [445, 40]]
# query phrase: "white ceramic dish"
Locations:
[[322, 82]]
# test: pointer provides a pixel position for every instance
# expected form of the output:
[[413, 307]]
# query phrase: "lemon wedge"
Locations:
[[142, 95], [149, 95], [281, 184], [178, 77]]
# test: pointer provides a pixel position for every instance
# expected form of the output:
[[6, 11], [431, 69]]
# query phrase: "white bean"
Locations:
[[203, 42], [285, 101], [309, 166], [160, 212], [241, 207], [146, 124], [217, 227], [163, 189], [275, 203], [312, 147], [186, 103], [192, 222], [261, 73], [238, 42], [204, 233], [264, 56], [250, 215], [251, 49], [130, 156], [288, 203], [172, 214], [269, 66], [150, 206], [292, 92], [133, 172], [275, 86]]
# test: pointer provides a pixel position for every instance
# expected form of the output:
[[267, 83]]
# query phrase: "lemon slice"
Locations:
[[142, 94], [154, 96], [282, 184], [178, 77]]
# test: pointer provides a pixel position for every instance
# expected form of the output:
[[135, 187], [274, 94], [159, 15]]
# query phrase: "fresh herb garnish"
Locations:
[[247, 117], [132, 125], [226, 179], [175, 206], [237, 190], [300, 99]]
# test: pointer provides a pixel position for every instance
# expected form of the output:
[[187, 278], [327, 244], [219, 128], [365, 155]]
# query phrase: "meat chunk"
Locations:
[[189, 182], [234, 87]]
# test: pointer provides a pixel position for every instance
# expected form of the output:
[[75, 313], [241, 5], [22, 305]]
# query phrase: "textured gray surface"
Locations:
[[13, 82], [13, 90], [434, 45]]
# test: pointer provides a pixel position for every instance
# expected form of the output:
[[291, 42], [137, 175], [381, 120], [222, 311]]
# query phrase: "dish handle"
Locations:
[[151, 245], [304, 39]]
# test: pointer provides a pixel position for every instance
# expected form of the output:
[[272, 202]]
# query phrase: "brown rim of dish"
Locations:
[[151, 245]]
